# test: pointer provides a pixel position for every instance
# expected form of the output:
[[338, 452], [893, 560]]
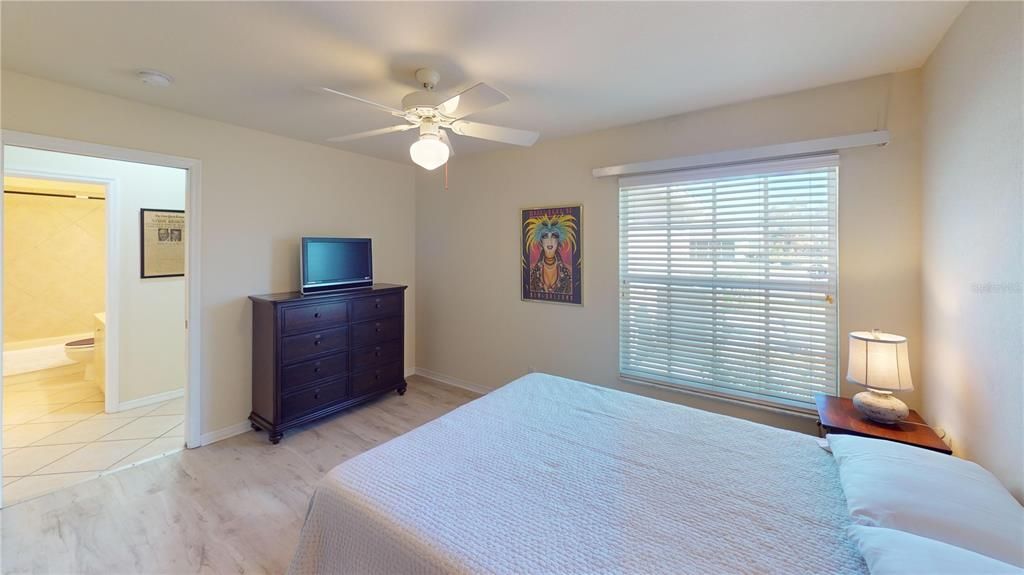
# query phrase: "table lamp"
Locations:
[[880, 362]]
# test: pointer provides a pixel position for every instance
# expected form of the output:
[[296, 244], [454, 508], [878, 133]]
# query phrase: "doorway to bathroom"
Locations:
[[96, 373]]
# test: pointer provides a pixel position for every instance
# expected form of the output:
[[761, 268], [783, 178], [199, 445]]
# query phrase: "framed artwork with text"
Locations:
[[552, 254], [162, 237]]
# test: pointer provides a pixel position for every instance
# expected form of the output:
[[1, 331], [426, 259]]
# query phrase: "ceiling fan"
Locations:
[[433, 114]]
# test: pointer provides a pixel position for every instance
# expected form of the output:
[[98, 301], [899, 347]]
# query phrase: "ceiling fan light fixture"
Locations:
[[430, 111], [429, 152]]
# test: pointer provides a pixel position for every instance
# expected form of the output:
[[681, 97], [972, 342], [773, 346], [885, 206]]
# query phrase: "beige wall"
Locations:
[[472, 325], [55, 266], [973, 234], [260, 193]]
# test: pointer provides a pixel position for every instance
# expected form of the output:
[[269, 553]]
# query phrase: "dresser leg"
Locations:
[[402, 388], [275, 437]]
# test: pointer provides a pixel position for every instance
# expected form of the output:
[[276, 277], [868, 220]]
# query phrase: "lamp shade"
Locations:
[[879, 361]]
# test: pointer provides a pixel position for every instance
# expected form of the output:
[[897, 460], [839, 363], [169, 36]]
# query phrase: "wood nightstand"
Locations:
[[838, 415]]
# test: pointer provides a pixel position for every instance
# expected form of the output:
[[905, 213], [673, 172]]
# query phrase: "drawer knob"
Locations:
[[316, 394], [317, 315], [316, 341], [377, 353], [376, 305], [316, 369]]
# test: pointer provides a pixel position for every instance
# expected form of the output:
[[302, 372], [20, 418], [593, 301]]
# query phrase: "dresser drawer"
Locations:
[[297, 347], [378, 306], [375, 355], [306, 401], [374, 332], [376, 379], [300, 374], [312, 317]]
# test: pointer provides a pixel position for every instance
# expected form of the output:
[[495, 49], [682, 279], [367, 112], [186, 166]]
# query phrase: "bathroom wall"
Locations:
[[150, 319], [55, 263]]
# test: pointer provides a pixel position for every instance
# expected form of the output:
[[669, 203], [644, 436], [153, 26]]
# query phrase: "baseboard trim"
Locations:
[[150, 400], [221, 434], [454, 381], [243, 426]]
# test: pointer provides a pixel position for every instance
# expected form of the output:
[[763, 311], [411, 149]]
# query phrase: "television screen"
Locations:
[[333, 263]]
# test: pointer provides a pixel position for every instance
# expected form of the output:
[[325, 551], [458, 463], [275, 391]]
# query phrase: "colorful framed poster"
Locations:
[[163, 249], [552, 254]]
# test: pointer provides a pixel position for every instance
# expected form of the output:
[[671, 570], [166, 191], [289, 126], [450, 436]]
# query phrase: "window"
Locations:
[[728, 279]]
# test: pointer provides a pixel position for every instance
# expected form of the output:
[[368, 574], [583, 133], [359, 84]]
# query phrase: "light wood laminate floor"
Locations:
[[231, 507]]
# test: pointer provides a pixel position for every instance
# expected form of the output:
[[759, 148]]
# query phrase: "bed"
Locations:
[[551, 475]]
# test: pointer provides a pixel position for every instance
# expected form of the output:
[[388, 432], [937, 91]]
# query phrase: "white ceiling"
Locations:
[[568, 68]]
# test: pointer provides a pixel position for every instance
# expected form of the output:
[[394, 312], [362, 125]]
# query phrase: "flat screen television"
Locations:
[[327, 264]]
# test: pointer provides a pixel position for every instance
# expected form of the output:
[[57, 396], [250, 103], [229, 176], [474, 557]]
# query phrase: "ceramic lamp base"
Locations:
[[881, 407]]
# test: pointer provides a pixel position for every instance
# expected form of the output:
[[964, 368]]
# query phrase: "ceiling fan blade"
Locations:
[[495, 133], [368, 133], [472, 100], [387, 109], [447, 142]]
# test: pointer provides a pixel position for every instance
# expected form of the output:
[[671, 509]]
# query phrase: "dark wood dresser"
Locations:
[[316, 355]]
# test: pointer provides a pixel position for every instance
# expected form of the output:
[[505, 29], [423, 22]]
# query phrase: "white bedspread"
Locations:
[[550, 475]]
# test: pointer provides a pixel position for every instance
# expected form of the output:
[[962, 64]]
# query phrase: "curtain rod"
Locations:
[[53, 195], [774, 152]]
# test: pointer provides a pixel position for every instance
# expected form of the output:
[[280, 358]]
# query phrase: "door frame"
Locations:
[[111, 296], [193, 323]]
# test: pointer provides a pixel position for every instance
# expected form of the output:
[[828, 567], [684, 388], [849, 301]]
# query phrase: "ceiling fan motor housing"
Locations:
[[429, 128], [422, 102]]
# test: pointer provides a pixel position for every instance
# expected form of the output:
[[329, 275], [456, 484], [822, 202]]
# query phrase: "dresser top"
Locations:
[[353, 292]]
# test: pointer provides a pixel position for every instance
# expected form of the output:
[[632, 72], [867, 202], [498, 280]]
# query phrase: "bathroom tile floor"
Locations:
[[55, 433]]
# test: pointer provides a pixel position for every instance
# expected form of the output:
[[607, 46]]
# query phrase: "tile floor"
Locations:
[[55, 433]]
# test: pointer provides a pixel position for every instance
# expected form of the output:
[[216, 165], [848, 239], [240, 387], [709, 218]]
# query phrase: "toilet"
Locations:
[[82, 351]]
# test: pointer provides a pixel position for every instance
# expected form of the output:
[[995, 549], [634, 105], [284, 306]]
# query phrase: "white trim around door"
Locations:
[[193, 387]]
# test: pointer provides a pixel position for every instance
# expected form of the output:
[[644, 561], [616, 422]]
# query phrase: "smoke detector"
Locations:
[[155, 79]]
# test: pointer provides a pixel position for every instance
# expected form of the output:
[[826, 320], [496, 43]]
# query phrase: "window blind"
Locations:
[[728, 279]]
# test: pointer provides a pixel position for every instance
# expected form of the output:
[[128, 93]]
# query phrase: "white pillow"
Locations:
[[891, 552], [930, 494]]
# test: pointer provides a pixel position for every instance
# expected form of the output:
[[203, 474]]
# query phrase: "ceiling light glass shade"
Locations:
[[429, 152]]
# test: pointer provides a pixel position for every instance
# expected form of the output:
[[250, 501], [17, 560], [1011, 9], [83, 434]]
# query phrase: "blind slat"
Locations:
[[729, 282]]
